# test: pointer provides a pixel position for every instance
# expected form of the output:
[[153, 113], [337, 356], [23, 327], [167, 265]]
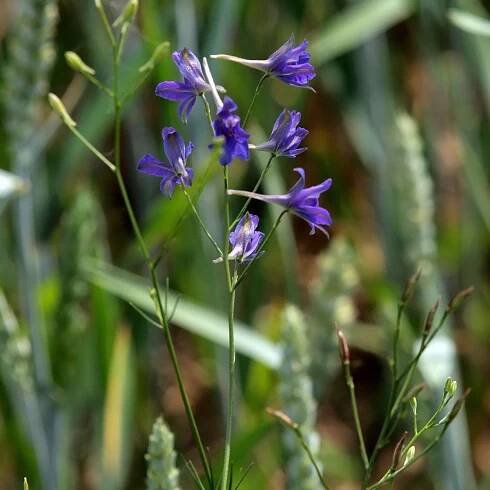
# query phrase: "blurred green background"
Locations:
[[399, 121]]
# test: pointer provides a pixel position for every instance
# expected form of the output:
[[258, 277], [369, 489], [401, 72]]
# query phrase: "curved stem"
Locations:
[[257, 90], [256, 187], [200, 221]]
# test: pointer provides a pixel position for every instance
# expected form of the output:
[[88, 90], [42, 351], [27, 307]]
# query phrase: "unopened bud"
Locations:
[[410, 286], [128, 14], [285, 419], [158, 54], [410, 455], [459, 297], [413, 404], [76, 63], [343, 347], [458, 405], [26, 485], [60, 109], [429, 320], [450, 387]]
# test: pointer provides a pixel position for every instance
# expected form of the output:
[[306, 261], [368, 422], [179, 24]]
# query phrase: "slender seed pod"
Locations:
[[162, 474], [298, 403]]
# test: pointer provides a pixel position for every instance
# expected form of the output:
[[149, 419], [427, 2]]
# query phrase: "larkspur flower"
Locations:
[[286, 136], [174, 171], [289, 63], [301, 201], [245, 239], [193, 83], [227, 124]]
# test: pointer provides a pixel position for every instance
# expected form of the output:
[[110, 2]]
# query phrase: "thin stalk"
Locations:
[[396, 337], [139, 236], [349, 381], [231, 337], [200, 221], [302, 441], [259, 250], [208, 111], [99, 84], [105, 21], [256, 187], [92, 148], [257, 90]]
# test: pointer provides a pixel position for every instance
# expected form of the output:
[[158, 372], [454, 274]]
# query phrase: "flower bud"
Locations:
[[128, 14], [450, 387], [398, 450], [285, 419], [59, 108], [26, 485], [410, 286], [410, 455], [459, 297], [158, 54], [413, 404], [343, 347], [77, 64]]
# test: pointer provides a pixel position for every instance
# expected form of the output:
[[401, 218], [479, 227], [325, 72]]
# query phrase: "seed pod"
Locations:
[[458, 405], [458, 298], [410, 455], [398, 450], [60, 109], [410, 286], [429, 321], [414, 392], [285, 419]]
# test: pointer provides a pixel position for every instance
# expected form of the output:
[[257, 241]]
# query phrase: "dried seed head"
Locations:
[[429, 321], [458, 405], [410, 286], [455, 301], [285, 419], [343, 346]]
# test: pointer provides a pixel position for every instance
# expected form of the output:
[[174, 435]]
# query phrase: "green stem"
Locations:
[[161, 311], [396, 337], [256, 187], [257, 90], [352, 392], [259, 250], [105, 22], [305, 446], [200, 221], [92, 148], [231, 338], [99, 84], [208, 111]]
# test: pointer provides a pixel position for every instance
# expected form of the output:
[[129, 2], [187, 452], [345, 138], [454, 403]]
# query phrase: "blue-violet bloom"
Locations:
[[301, 201], [174, 171], [289, 63], [245, 239], [193, 83], [227, 124], [286, 137]]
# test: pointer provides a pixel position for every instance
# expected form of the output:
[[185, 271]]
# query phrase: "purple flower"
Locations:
[[227, 124], [185, 92], [174, 171], [245, 240], [286, 136], [301, 201], [289, 63]]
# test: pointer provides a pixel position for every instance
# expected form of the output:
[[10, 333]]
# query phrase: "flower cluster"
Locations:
[[289, 64]]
